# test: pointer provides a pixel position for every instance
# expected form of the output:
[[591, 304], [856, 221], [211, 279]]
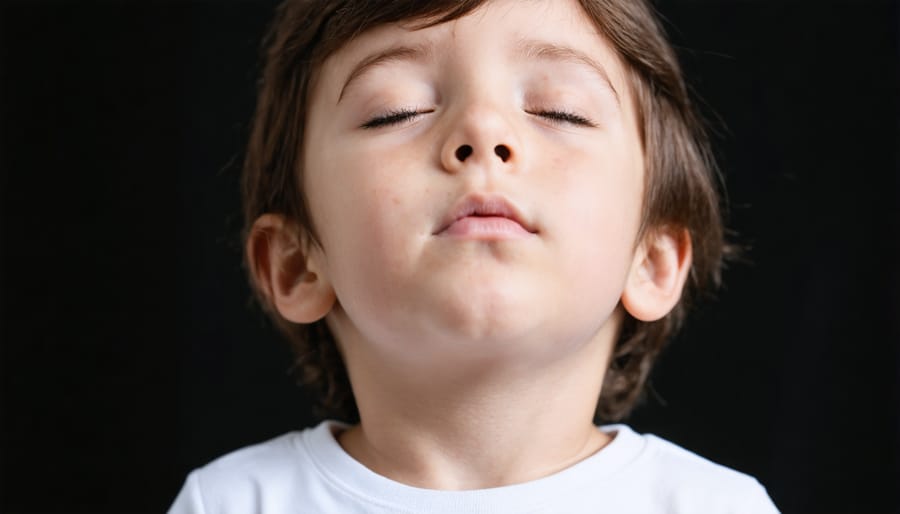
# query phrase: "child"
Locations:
[[473, 219]]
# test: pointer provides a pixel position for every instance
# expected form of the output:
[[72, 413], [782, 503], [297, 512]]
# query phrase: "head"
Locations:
[[472, 172]]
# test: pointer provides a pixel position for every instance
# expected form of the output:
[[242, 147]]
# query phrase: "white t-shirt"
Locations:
[[309, 472]]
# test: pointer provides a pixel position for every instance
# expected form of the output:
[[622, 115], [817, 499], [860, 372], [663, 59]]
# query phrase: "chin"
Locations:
[[485, 315]]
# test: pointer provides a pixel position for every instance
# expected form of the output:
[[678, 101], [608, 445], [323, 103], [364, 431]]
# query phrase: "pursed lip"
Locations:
[[485, 206]]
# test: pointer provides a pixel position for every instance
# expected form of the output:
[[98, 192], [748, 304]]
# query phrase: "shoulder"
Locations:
[[262, 461], [688, 482], [244, 480], [666, 457]]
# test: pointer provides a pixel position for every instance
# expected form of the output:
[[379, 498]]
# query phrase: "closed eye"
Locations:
[[564, 117], [395, 117]]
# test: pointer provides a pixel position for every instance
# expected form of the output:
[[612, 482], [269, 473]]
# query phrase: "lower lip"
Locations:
[[486, 227]]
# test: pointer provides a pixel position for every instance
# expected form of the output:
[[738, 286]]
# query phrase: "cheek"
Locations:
[[599, 202], [601, 188], [370, 223]]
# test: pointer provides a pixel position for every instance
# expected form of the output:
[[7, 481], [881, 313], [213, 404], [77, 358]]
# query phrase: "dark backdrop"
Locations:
[[130, 353]]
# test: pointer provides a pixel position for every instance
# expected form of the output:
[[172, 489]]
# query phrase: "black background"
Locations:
[[130, 350]]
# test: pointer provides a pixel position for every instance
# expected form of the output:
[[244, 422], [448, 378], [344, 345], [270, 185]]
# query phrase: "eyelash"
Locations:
[[395, 117], [562, 117], [399, 116]]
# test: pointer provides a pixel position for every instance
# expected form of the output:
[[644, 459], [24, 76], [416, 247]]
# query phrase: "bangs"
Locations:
[[347, 20]]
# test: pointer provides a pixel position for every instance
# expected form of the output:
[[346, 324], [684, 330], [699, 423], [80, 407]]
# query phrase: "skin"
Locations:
[[476, 353]]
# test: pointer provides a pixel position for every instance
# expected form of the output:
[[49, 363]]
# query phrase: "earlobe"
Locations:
[[286, 269], [658, 273]]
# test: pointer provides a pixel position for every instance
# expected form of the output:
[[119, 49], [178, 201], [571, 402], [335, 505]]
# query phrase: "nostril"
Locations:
[[502, 152], [463, 152]]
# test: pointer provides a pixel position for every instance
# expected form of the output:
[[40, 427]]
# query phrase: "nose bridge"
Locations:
[[480, 134]]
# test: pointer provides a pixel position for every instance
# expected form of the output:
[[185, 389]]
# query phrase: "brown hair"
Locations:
[[681, 179]]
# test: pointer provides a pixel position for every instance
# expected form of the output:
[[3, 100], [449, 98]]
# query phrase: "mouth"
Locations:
[[479, 216]]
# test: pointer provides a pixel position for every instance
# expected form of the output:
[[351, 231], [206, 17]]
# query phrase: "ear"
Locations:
[[288, 269], [658, 273]]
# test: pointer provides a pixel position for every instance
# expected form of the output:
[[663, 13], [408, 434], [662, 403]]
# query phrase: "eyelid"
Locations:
[[563, 116], [395, 117], [399, 54], [402, 115]]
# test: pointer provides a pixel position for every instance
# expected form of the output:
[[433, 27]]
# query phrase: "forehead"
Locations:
[[501, 31]]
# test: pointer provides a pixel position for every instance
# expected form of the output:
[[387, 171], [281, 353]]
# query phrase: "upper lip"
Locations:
[[476, 204]]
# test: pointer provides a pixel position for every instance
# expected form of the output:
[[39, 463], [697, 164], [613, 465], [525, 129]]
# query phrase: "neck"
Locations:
[[507, 425]]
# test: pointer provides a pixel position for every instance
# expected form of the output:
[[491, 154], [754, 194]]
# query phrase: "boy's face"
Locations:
[[476, 186]]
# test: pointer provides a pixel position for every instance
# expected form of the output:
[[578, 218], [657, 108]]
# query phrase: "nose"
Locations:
[[480, 137], [465, 151]]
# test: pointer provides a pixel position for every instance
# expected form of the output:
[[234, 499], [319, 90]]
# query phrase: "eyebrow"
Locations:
[[400, 53], [536, 49]]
